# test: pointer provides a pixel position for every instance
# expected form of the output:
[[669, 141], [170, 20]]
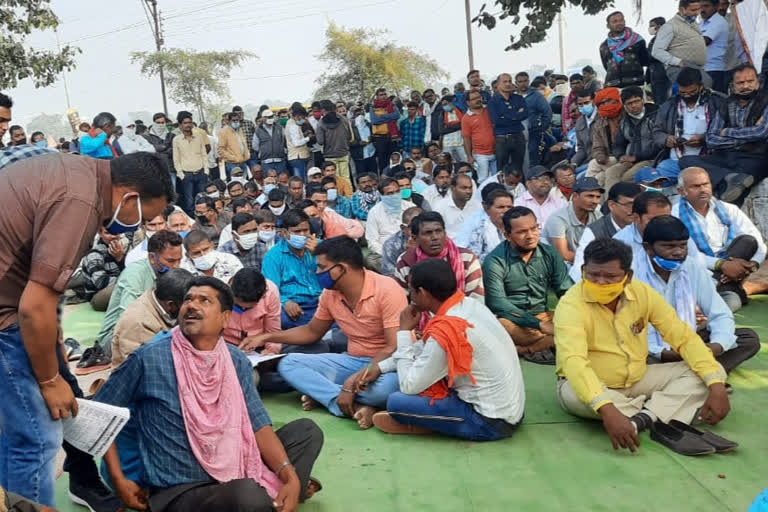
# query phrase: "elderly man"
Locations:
[[564, 227], [537, 197], [174, 405], [729, 242]]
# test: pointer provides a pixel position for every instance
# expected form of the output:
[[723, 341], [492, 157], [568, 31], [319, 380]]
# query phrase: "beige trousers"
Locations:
[[623, 172], [671, 391], [527, 339], [597, 170], [342, 166]]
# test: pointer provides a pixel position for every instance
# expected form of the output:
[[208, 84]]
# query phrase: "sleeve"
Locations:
[[660, 45], [90, 144], [419, 364], [493, 110], [121, 387], [58, 243], [546, 112], [620, 144], [401, 273], [270, 268], [144, 145], [496, 296], [357, 212], [384, 118], [555, 227], [604, 55], [353, 228], [759, 132], [713, 138], [573, 352], [473, 280], [560, 282], [372, 232], [394, 303], [323, 312], [578, 259], [466, 131], [720, 322], [93, 270], [745, 226], [320, 134], [296, 137], [256, 411], [642, 53], [659, 126], [177, 157], [683, 339], [272, 320]]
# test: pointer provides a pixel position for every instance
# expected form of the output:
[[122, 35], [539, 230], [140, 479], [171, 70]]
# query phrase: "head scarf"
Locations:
[[608, 111]]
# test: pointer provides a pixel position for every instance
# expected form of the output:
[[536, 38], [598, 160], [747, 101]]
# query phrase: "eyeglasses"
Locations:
[[626, 205]]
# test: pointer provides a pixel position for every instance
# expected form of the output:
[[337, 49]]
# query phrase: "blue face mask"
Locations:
[[41, 143], [325, 280], [392, 202], [690, 19], [297, 241], [299, 122], [666, 264], [159, 267], [652, 189], [115, 227], [184, 233], [238, 309], [234, 125], [586, 110], [447, 108], [269, 187], [405, 193]]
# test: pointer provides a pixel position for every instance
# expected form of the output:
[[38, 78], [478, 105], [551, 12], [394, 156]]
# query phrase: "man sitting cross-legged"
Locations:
[[601, 327], [204, 439], [464, 378], [366, 306], [517, 275]]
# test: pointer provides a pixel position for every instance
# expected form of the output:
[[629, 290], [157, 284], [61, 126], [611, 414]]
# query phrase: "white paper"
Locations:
[[95, 427], [255, 358]]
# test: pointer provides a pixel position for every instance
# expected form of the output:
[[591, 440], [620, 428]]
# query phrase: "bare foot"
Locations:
[[313, 486], [308, 403], [364, 416]]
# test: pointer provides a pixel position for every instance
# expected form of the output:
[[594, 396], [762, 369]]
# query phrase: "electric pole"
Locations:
[[158, 32], [469, 35], [561, 34], [63, 73]]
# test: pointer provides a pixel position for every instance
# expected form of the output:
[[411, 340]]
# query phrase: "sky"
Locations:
[[287, 36]]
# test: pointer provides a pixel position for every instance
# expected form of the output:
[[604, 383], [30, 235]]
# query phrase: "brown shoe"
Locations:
[[386, 423]]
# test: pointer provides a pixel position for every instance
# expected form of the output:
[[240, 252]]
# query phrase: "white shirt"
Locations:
[[225, 235], [717, 232], [433, 197], [578, 259], [227, 265], [454, 216], [694, 123], [498, 391], [381, 225]]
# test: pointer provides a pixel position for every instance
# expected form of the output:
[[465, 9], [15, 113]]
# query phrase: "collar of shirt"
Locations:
[[574, 220], [512, 254]]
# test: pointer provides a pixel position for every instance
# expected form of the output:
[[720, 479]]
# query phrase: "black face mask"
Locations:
[[316, 226], [20, 142], [442, 189], [747, 96], [202, 219]]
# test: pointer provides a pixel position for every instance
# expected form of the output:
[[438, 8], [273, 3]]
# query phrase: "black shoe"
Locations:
[[94, 496], [735, 185], [546, 356], [94, 359], [642, 421], [682, 442], [74, 352], [721, 444]]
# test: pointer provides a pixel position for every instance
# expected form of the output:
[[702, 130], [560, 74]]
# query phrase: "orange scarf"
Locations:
[[451, 333]]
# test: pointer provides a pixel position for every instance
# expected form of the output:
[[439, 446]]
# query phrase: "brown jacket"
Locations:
[[603, 135], [229, 148], [140, 322]]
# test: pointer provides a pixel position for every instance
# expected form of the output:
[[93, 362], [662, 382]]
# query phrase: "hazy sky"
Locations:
[[286, 35]]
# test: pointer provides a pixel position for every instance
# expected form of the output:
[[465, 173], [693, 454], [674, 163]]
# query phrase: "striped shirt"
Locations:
[[473, 272]]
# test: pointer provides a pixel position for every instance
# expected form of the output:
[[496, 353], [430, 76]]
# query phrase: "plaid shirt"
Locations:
[[343, 207], [252, 258], [100, 269], [249, 128], [14, 154], [146, 382], [737, 134], [412, 134]]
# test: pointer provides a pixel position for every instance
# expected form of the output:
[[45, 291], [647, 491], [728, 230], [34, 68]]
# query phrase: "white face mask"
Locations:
[[247, 241], [277, 211], [205, 262], [652, 30], [267, 236], [270, 120]]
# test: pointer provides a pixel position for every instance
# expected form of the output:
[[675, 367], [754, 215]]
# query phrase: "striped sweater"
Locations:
[[473, 272]]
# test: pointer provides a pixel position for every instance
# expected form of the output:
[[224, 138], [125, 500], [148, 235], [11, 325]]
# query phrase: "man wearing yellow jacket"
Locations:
[[233, 147], [601, 327]]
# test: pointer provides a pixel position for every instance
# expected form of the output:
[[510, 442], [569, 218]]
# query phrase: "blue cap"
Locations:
[[587, 183], [649, 175]]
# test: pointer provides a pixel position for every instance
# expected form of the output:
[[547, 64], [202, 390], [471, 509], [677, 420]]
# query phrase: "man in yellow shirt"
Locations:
[[601, 327]]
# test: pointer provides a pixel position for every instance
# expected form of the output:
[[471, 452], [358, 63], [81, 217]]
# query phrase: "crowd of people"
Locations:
[[399, 255]]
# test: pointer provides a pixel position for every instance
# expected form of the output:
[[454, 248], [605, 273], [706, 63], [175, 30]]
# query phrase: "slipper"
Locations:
[[317, 483], [721, 444], [680, 441], [546, 356]]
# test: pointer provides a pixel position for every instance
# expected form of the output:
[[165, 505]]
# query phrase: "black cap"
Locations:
[[449, 98], [587, 183], [536, 171]]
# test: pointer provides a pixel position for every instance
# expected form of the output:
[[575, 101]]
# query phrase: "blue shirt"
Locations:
[[295, 277], [715, 28], [507, 116], [539, 111], [146, 382], [94, 146], [343, 207], [412, 133]]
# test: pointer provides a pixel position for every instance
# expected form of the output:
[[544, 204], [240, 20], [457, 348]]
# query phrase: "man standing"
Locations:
[[459, 205], [412, 128], [476, 84], [538, 182], [190, 158], [269, 143], [477, 132], [96, 142], [623, 53], [431, 109], [714, 28], [297, 140], [233, 146], [334, 135], [130, 141], [736, 138], [162, 140], [507, 111], [565, 227], [384, 116], [679, 43], [539, 116], [249, 130], [449, 126], [53, 206]]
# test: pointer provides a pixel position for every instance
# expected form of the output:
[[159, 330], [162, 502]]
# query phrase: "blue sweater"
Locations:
[[539, 111], [507, 116]]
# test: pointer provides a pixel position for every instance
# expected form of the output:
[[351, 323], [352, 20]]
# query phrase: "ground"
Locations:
[[553, 462]]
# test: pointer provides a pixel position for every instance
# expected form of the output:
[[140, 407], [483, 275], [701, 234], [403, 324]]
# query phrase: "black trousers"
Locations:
[[747, 346], [302, 440], [721, 163], [719, 83], [510, 150], [742, 247], [383, 146]]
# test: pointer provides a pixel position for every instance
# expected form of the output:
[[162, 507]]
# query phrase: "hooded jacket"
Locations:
[[334, 135]]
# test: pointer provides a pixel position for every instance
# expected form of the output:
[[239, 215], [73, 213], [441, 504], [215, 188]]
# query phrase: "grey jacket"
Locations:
[[269, 146], [583, 141], [333, 134], [635, 137]]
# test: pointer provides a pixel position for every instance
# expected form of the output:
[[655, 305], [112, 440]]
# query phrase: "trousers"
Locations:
[[747, 346], [510, 150]]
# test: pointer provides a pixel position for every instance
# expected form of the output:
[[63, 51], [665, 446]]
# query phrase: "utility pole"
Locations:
[[469, 34], [158, 32], [561, 34], [63, 72]]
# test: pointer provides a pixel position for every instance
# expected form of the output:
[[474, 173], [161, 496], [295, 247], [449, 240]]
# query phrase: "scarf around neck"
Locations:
[[391, 125], [688, 217], [215, 415], [368, 199], [618, 44], [452, 255]]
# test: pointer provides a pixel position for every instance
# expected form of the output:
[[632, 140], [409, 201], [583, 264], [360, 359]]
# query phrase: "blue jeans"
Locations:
[[321, 377], [287, 322], [192, 184], [486, 166], [450, 416], [29, 438], [298, 167], [278, 166]]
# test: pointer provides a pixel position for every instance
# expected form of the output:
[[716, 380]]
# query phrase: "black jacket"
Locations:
[[635, 137], [630, 71]]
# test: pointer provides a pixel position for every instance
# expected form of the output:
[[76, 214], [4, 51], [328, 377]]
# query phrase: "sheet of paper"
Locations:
[[255, 358], [95, 427]]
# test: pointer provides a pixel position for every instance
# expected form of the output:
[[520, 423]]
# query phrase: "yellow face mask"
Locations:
[[604, 293]]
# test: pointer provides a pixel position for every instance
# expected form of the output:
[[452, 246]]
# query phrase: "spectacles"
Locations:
[[626, 206]]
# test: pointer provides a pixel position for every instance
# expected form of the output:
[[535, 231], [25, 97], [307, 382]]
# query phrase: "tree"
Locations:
[[193, 78], [358, 63], [55, 125], [538, 16], [17, 20]]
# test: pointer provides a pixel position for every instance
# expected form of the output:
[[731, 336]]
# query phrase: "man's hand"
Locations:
[[602, 160], [287, 499], [311, 243], [131, 494], [409, 318], [735, 269], [716, 348], [547, 327], [470, 159], [695, 141], [250, 343], [59, 398], [717, 405], [346, 401], [292, 309], [556, 147], [628, 159], [670, 356], [368, 376], [619, 428], [116, 250], [671, 141]]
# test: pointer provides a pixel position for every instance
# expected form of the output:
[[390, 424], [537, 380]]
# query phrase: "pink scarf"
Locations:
[[453, 255], [215, 416]]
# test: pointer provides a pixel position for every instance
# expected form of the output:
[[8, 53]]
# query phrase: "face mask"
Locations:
[[269, 187], [205, 262], [297, 241], [666, 264], [442, 189], [129, 132], [637, 116], [267, 236], [392, 202], [332, 194], [447, 108], [604, 293], [689, 18], [691, 100], [283, 122], [150, 234], [159, 267], [270, 121], [213, 195], [277, 211], [652, 31], [235, 125], [202, 219], [586, 110], [41, 143], [325, 280], [248, 241], [184, 233], [405, 193], [652, 189], [317, 115], [237, 309], [299, 122], [115, 227], [746, 96]]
